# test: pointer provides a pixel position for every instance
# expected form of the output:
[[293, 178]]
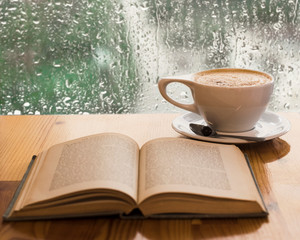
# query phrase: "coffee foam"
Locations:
[[232, 78]]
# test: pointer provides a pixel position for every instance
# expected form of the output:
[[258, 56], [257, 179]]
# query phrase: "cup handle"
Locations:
[[162, 86]]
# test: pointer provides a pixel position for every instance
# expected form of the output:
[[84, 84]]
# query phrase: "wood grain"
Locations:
[[275, 163]]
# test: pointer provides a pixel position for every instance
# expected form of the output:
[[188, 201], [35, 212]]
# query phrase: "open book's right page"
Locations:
[[189, 166]]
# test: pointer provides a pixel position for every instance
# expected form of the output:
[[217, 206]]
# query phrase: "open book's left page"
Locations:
[[107, 161]]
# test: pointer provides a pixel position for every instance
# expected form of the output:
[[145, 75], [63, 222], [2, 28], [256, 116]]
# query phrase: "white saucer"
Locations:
[[269, 126]]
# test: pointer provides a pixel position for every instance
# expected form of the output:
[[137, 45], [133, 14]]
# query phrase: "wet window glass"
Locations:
[[100, 56]]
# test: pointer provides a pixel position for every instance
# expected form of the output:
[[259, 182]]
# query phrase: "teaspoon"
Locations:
[[207, 131]]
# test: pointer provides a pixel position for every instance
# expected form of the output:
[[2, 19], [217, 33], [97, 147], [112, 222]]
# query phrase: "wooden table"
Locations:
[[276, 164]]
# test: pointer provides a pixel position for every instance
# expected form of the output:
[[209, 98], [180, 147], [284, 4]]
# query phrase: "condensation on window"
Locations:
[[86, 57]]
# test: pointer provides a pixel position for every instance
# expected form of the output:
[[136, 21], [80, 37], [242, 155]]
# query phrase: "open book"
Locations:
[[108, 174]]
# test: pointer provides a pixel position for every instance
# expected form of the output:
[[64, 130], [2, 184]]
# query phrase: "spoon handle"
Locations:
[[249, 138]]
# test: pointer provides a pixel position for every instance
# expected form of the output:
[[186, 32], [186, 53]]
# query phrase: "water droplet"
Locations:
[[286, 106], [183, 95], [66, 101], [17, 112], [56, 65], [290, 69]]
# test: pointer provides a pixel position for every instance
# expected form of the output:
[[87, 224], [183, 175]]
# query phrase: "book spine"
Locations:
[[256, 184], [17, 192]]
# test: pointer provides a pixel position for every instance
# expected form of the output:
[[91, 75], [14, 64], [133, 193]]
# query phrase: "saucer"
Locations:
[[269, 126]]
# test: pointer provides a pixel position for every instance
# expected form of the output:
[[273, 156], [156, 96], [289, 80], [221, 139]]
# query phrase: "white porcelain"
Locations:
[[227, 109], [269, 126]]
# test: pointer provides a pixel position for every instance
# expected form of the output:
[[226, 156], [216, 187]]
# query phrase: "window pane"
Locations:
[[100, 56]]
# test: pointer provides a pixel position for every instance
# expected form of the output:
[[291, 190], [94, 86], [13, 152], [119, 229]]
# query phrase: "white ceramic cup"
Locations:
[[228, 108]]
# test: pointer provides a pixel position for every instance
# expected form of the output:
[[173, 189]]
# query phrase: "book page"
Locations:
[[108, 161], [190, 166]]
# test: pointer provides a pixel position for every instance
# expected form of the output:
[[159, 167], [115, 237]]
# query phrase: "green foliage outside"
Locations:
[[61, 57]]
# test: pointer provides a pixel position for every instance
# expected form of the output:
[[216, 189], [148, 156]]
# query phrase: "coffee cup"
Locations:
[[229, 99]]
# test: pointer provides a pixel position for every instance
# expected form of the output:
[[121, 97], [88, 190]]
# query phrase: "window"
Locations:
[[103, 56]]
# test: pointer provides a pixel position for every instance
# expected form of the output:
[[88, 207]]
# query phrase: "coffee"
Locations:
[[232, 78]]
